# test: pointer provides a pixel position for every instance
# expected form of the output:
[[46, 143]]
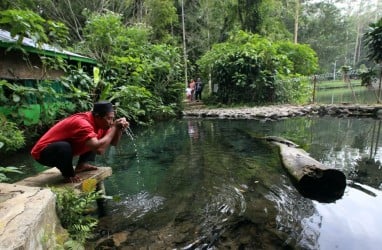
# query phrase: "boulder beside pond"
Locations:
[[312, 179], [28, 218]]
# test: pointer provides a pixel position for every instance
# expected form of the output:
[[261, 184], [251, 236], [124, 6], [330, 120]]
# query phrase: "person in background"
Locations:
[[198, 89], [83, 134], [188, 93], [192, 86]]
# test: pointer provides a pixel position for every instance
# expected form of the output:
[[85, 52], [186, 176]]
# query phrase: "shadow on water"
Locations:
[[202, 184]]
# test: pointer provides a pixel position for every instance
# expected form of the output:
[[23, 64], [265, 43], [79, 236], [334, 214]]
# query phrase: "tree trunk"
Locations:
[[312, 179], [296, 20], [184, 47]]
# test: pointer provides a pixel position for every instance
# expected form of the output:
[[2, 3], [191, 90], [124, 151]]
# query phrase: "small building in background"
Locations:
[[24, 64]]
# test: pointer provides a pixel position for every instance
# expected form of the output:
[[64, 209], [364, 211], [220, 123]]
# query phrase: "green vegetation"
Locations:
[[252, 54], [11, 138], [359, 95], [374, 42], [138, 49], [72, 209], [252, 69], [6, 170]]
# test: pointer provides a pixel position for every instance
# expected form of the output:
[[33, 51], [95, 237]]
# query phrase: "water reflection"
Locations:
[[352, 222], [206, 184]]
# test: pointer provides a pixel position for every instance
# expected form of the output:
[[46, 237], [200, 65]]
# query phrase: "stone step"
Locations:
[[193, 105]]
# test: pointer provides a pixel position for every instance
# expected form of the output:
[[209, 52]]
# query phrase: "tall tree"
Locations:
[[323, 27], [277, 20], [74, 13], [161, 16], [296, 20], [249, 15], [360, 15], [374, 42]]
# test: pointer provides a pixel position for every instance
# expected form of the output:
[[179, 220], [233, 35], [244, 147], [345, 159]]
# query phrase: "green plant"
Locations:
[[72, 207], [249, 68], [20, 98], [9, 169], [147, 74], [26, 23], [10, 136], [81, 88], [368, 77]]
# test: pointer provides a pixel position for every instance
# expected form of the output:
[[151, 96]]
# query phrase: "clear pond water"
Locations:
[[212, 184]]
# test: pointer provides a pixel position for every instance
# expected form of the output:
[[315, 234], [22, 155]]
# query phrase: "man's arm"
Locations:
[[100, 145], [116, 138], [113, 137]]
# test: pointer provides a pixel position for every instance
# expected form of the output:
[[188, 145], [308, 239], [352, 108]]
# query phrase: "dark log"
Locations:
[[312, 179]]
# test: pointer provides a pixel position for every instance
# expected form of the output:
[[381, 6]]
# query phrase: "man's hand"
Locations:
[[122, 123]]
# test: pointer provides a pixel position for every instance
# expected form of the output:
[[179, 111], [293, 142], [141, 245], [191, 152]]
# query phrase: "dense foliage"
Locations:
[[252, 69], [147, 50], [11, 138], [145, 78], [73, 211], [373, 38]]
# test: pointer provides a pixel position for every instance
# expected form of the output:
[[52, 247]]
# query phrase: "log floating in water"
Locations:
[[313, 179]]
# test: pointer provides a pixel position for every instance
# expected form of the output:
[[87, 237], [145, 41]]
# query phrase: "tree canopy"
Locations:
[[261, 46]]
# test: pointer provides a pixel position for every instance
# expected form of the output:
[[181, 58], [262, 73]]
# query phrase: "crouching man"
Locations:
[[83, 134]]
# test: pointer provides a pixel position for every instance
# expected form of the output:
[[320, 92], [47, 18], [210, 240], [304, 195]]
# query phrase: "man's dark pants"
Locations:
[[59, 154]]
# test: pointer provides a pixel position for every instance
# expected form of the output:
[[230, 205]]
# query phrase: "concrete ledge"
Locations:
[[53, 177]]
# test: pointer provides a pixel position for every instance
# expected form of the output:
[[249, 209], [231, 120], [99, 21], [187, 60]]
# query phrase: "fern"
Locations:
[[71, 209]]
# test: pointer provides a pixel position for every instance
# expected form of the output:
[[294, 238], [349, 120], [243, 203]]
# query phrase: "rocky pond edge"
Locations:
[[278, 112]]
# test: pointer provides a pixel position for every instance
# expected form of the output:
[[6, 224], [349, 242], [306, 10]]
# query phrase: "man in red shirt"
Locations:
[[82, 134]]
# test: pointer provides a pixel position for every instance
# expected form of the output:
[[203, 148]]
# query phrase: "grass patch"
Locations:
[[336, 84]]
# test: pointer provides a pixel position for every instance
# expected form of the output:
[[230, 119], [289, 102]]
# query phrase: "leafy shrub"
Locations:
[[72, 207], [12, 138], [250, 69], [145, 78], [9, 169]]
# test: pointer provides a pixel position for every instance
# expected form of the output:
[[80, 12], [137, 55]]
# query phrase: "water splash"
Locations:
[[137, 205], [130, 133]]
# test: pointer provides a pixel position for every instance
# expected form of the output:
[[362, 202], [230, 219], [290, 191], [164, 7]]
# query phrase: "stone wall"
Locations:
[[276, 112]]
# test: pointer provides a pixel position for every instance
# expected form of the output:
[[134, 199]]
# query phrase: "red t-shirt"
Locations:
[[75, 129]]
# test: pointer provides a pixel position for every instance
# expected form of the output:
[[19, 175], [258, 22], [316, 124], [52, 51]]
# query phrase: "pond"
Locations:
[[212, 184], [359, 94]]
